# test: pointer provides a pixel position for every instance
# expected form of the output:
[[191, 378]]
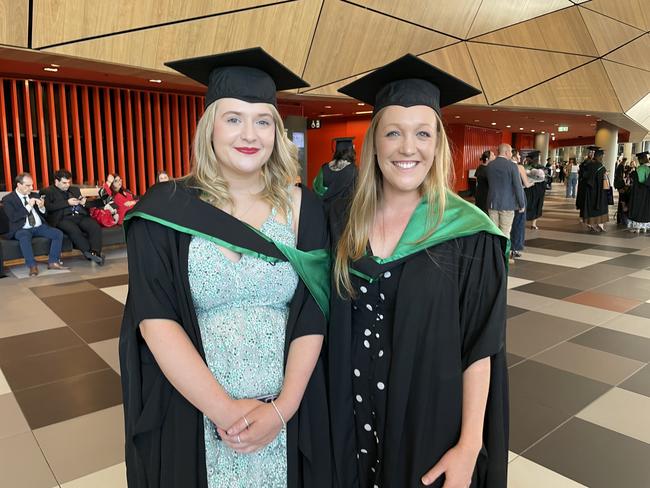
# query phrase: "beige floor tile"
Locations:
[[557, 260], [579, 260], [528, 300], [622, 411], [592, 363], [62, 289], [512, 456], [514, 282], [602, 252], [27, 314], [113, 477], [630, 324], [643, 274], [117, 292], [22, 464], [108, 351], [12, 420], [580, 313], [4, 386], [544, 252], [523, 473], [643, 252], [84, 445]]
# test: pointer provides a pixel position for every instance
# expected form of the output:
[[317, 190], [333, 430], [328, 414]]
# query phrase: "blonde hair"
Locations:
[[368, 193], [278, 173]]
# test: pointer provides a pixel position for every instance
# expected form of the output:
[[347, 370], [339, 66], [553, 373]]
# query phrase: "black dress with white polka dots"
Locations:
[[372, 331]]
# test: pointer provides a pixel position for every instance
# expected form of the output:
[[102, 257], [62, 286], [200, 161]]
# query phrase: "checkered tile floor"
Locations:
[[578, 350]]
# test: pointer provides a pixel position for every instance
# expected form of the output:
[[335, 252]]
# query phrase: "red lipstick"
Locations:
[[247, 150]]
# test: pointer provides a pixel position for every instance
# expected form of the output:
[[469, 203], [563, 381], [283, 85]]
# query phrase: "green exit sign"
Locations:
[[563, 128]]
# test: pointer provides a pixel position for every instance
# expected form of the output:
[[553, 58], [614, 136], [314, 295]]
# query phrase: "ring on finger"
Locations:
[[246, 420], [238, 439]]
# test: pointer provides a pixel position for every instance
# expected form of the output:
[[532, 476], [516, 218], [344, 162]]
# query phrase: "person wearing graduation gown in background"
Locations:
[[417, 374], [535, 193], [482, 187], [336, 179], [639, 196], [220, 344], [594, 211], [580, 193]]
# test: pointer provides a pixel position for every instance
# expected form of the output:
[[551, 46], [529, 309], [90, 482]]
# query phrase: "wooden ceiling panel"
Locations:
[[585, 89], [496, 14], [608, 34], [640, 112], [631, 12], [453, 18], [288, 41], [454, 59], [350, 40], [634, 54], [562, 31], [507, 70], [630, 84], [14, 16], [58, 21]]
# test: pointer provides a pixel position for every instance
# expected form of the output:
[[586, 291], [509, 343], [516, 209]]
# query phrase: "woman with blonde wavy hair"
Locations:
[[228, 294], [417, 372]]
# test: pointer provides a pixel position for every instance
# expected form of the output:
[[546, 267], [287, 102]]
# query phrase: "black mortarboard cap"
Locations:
[[641, 154], [599, 152], [409, 81], [593, 148], [250, 75], [533, 154]]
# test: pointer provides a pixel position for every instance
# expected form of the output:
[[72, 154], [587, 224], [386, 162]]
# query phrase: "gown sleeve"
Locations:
[[152, 293], [482, 297]]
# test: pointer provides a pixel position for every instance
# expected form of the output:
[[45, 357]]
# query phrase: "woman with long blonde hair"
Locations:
[[228, 295], [416, 341]]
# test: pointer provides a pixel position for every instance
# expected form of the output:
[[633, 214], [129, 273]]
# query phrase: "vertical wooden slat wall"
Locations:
[[92, 131]]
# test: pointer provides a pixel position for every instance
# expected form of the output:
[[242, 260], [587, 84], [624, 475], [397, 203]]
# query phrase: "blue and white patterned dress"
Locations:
[[242, 310]]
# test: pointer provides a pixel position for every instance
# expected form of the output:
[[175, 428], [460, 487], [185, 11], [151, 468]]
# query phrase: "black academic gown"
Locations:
[[164, 432], [639, 204], [580, 192], [450, 311], [594, 197], [339, 184], [482, 187]]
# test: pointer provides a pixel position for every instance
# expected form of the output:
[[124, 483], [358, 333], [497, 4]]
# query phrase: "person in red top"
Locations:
[[124, 199]]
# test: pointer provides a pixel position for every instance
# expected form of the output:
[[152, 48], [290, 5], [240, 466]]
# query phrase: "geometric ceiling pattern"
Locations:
[[538, 54]]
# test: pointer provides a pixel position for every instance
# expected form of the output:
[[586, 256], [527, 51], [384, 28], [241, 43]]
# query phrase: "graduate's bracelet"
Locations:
[[277, 410]]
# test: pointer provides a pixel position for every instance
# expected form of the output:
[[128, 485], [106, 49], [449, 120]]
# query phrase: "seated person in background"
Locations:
[[104, 209], [162, 176], [26, 214], [66, 210], [124, 199]]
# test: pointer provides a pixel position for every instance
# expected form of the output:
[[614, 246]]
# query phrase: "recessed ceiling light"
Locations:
[[495, 109], [541, 121], [476, 120], [155, 81], [508, 126], [55, 65], [552, 133], [328, 106], [592, 125], [457, 116], [553, 138], [532, 130], [51, 69], [363, 112], [361, 104], [493, 123], [521, 128], [543, 132], [587, 115], [329, 115]]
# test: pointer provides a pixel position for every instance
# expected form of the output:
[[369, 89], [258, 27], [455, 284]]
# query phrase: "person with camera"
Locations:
[[26, 214], [66, 210]]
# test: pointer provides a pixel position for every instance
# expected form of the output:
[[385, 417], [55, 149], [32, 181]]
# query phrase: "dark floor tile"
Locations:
[[565, 392], [639, 382], [513, 359], [535, 271], [77, 308], [614, 248], [594, 456], [602, 300], [35, 343], [642, 310], [557, 245], [514, 311], [107, 281], [531, 420], [70, 398], [52, 366], [630, 261], [587, 277], [627, 287], [626, 345], [546, 290], [99, 330]]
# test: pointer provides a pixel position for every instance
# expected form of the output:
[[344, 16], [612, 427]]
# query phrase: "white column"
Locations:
[[607, 138], [627, 150], [541, 144]]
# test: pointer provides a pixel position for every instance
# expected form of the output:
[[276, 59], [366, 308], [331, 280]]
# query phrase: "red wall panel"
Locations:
[[4, 139]]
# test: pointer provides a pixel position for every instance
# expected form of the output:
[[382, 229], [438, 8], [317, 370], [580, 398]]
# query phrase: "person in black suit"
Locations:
[[25, 212], [66, 210]]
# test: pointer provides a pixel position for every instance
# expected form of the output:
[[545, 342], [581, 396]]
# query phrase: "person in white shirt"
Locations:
[[25, 211]]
